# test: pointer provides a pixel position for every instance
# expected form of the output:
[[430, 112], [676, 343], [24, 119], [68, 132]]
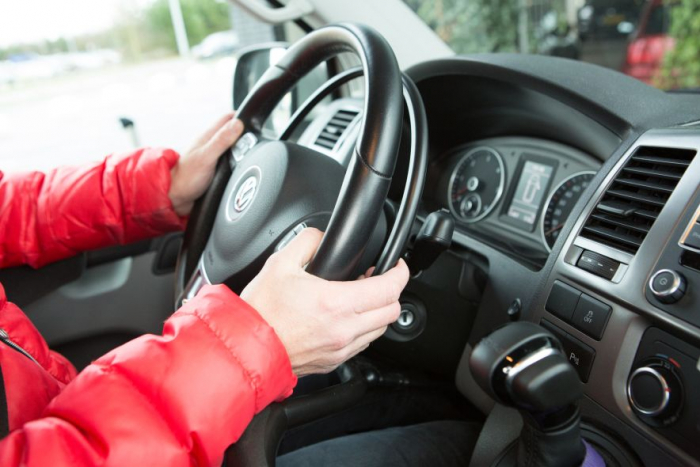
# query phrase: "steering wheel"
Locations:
[[264, 191]]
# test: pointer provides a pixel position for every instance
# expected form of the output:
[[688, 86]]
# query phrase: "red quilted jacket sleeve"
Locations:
[[49, 216], [179, 399]]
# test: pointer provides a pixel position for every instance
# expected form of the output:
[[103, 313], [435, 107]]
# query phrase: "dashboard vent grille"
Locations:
[[335, 127], [630, 206]]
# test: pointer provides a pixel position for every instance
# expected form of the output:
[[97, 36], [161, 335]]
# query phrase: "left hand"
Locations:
[[194, 171]]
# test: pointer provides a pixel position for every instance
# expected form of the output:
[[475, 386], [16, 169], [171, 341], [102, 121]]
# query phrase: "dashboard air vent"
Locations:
[[630, 206], [335, 127]]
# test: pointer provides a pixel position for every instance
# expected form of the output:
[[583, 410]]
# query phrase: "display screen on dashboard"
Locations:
[[530, 191]]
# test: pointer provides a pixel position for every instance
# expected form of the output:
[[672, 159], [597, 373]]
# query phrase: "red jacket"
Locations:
[[179, 399]]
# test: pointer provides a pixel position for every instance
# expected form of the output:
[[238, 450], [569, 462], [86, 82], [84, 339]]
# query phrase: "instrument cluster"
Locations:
[[518, 190]]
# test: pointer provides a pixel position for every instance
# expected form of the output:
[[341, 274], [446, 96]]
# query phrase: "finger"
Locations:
[[375, 319], [224, 138], [303, 247], [367, 274], [211, 131], [373, 292], [362, 342]]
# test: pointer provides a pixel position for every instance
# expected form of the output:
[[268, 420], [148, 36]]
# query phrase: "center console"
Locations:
[[623, 298]]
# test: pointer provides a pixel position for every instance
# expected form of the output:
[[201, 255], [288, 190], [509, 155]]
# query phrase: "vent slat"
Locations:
[[649, 215], [638, 197], [628, 210], [645, 185], [614, 235], [334, 129], [662, 161], [604, 219], [652, 173]]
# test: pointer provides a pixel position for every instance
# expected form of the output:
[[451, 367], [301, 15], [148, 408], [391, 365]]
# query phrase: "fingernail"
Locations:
[[237, 126]]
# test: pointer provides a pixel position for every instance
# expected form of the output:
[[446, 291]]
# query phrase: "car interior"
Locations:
[[549, 211]]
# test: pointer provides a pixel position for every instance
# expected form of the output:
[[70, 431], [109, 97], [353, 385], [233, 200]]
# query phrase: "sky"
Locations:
[[28, 21]]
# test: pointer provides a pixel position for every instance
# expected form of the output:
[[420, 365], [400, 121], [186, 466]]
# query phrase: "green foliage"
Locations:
[[474, 25], [202, 17], [681, 67], [142, 33]]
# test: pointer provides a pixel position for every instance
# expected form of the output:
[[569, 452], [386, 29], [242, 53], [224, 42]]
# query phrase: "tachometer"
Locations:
[[476, 184], [560, 204]]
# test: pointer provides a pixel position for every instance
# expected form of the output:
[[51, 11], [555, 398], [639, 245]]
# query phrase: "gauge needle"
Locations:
[[460, 192], [551, 231]]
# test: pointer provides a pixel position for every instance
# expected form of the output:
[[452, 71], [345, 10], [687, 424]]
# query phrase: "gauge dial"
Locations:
[[560, 204], [476, 184]]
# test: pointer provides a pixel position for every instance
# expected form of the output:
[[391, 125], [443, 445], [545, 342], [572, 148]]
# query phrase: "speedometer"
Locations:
[[560, 204], [476, 184]]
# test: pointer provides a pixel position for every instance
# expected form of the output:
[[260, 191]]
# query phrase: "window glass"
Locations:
[[75, 74], [656, 41]]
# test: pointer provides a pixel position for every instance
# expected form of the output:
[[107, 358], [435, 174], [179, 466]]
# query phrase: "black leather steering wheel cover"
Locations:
[[382, 87], [368, 179]]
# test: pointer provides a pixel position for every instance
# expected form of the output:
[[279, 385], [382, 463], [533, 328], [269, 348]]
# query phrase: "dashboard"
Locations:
[[576, 196]]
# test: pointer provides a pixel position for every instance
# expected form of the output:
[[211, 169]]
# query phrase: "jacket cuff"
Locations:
[[253, 342], [146, 184]]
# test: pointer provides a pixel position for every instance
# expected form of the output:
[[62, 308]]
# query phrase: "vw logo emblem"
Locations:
[[245, 194]]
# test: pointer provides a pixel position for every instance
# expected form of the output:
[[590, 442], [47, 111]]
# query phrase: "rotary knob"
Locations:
[[655, 393], [667, 285]]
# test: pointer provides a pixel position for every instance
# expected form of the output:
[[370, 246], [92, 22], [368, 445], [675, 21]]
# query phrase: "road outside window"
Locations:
[[75, 74]]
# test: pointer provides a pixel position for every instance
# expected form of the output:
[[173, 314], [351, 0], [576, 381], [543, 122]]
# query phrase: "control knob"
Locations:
[[667, 285], [655, 392]]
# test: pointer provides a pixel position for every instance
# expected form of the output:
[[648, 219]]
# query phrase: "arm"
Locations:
[[47, 217], [182, 398], [179, 399]]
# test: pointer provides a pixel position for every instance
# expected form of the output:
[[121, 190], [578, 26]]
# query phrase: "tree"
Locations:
[[474, 25], [202, 17], [681, 66]]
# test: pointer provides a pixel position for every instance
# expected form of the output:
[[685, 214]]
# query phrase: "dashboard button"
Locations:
[[580, 355], [562, 300], [591, 316], [667, 285], [598, 264], [693, 238]]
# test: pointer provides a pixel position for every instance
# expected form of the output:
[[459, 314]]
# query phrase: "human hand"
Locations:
[[322, 323], [194, 171]]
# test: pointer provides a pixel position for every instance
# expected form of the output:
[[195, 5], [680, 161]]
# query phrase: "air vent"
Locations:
[[630, 206], [335, 127]]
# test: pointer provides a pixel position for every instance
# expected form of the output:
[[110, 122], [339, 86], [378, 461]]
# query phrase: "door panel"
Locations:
[[119, 297]]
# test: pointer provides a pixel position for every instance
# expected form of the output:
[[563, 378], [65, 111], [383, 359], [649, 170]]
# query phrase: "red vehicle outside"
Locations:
[[651, 42]]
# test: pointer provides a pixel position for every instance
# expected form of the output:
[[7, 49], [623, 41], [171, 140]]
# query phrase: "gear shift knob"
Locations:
[[521, 365]]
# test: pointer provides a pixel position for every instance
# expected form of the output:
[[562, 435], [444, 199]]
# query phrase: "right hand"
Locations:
[[322, 323]]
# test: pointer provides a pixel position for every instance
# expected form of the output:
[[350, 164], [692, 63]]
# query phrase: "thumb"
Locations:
[[303, 247]]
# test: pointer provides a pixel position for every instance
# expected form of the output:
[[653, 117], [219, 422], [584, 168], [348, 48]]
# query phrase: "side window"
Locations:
[[80, 79]]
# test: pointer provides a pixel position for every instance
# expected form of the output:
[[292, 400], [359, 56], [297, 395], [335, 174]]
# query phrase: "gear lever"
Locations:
[[521, 365]]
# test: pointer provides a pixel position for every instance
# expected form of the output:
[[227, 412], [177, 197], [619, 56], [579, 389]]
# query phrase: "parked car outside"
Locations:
[[217, 44], [650, 44], [600, 19]]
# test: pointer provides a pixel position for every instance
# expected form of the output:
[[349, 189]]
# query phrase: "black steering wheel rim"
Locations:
[[368, 178]]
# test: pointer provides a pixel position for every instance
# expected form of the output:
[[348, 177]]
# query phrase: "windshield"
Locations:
[[80, 79], [655, 41]]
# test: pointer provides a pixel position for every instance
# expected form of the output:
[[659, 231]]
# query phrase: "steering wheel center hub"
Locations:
[[243, 195], [281, 184]]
